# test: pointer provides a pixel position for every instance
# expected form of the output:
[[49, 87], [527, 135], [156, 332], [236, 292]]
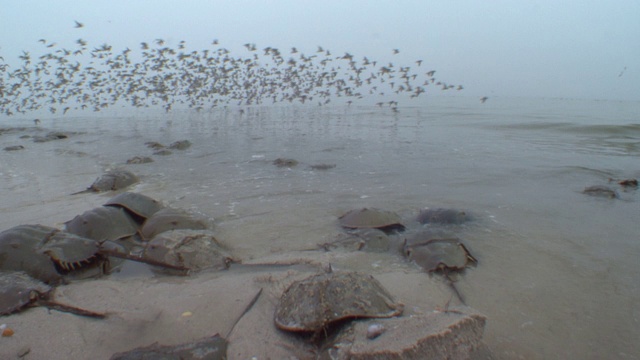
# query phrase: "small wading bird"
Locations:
[[159, 75]]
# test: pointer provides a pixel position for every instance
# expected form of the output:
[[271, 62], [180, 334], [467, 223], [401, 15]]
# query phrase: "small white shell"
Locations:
[[375, 330]]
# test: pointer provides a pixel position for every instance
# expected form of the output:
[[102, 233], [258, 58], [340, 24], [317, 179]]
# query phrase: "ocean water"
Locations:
[[558, 274]]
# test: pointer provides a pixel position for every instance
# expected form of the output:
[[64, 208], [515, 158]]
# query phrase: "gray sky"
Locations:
[[568, 48]]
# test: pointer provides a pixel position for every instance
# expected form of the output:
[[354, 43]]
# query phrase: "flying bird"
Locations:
[[483, 99], [622, 72], [78, 24]]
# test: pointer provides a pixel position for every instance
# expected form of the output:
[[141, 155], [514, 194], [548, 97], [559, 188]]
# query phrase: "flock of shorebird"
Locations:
[[97, 77]]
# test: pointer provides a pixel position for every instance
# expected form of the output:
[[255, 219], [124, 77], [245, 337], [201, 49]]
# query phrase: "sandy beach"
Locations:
[[542, 289], [144, 307]]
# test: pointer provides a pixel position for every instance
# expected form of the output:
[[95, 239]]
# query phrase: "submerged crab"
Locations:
[[170, 219], [437, 255], [371, 218], [440, 255], [442, 216], [601, 191]]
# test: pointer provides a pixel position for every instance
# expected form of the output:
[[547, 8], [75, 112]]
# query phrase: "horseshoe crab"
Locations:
[[112, 180], [371, 218], [19, 251], [103, 223], [313, 304], [180, 145], [139, 160], [170, 219], [601, 191], [15, 290], [210, 348], [13, 148], [51, 255], [360, 239], [628, 182], [154, 145], [137, 205], [191, 249], [445, 256], [19, 291], [442, 216], [440, 255], [48, 254], [282, 162]]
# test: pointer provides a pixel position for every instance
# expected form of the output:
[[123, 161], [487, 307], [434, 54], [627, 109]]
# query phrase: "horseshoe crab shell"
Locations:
[[192, 249], [103, 223], [48, 254], [112, 180], [373, 240], [601, 191], [312, 304], [442, 216], [17, 290], [74, 256], [440, 255], [170, 219], [138, 205], [210, 348], [371, 218], [19, 252]]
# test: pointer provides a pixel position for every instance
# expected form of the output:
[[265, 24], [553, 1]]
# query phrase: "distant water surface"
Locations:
[[558, 274]]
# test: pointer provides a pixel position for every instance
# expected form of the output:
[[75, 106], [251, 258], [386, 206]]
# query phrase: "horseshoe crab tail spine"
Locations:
[[88, 190], [453, 287], [246, 310], [70, 309]]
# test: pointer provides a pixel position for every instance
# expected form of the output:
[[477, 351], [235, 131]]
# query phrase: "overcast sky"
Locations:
[[567, 48]]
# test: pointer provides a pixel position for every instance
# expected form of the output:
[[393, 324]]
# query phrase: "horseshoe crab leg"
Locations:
[[70, 309]]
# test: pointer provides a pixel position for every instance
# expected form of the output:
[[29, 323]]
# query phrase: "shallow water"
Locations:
[[558, 271]]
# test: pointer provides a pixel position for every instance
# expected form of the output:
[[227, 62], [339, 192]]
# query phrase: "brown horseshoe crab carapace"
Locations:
[[371, 218], [312, 304]]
